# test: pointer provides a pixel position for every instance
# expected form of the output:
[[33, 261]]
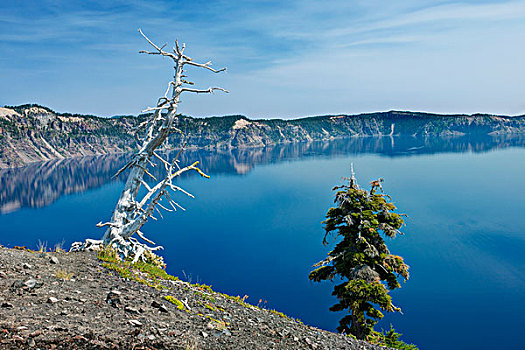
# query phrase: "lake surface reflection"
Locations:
[[254, 227], [40, 184]]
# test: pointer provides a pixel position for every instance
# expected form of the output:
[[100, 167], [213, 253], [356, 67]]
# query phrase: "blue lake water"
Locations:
[[255, 228]]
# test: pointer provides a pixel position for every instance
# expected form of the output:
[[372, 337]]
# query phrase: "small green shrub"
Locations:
[[390, 339], [218, 324], [175, 302]]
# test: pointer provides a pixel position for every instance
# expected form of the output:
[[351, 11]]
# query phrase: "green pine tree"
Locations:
[[361, 260]]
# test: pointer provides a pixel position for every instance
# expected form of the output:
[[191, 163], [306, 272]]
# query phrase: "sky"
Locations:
[[285, 59]]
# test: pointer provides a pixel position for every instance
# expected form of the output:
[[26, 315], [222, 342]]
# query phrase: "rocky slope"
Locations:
[[32, 133], [74, 301]]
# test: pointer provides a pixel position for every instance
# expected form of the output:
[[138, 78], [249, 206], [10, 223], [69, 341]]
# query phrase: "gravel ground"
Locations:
[[70, 301]]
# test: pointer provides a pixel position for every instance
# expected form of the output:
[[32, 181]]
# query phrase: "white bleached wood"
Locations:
[[210, 90], [132, 212]]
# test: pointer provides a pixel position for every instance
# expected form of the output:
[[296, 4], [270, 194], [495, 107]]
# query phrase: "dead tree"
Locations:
[[132, 212]]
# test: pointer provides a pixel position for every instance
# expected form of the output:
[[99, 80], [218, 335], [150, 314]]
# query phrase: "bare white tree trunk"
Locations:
[[131, 212]]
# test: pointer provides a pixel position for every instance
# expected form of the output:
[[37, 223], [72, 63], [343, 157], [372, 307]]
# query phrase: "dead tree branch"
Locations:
[[131, 213]]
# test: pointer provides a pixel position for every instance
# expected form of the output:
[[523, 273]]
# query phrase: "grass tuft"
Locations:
[[176, 302], [63, 274], [141, 272]]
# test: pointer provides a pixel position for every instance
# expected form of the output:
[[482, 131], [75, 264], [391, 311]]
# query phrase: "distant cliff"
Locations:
[[31, 133]]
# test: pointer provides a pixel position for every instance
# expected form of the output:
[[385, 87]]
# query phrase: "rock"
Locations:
[[54, 260], [226, 332], [113, 298], [131, 310], [3, 274], [79, 337], [31, 342], [284, 333], [26, 266], [33, 284], [163, 308], [36, 333], [135, 323], [159, 306], [52, 300], [151, 337], [6, 305], [204, 334], [30, 283], [18, 286]]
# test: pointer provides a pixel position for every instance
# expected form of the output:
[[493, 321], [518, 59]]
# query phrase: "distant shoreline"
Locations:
[[33, 133]]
